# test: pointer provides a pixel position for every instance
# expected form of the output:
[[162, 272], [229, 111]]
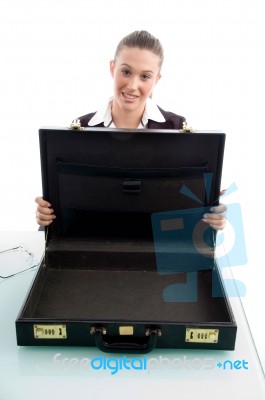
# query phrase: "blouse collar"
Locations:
[[103, 115]]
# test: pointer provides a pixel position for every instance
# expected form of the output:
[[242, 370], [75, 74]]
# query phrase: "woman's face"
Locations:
[[135, 72]]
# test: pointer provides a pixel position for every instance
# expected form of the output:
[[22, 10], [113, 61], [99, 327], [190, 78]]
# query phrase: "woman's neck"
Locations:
[[126, 119]]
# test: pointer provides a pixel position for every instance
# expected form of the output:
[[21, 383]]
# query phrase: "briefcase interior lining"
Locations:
[[129, 294]]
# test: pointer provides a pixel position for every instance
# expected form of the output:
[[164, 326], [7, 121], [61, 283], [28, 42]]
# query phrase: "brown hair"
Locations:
[[142, 40]]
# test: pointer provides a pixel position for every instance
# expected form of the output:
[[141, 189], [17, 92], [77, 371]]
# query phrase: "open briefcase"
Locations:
[[128, 263]]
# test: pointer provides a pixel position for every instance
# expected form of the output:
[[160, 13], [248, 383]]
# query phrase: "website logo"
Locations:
[[125, 364], [184, 243]]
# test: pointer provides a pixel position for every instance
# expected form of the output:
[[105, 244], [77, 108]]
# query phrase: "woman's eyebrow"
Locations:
[[128, 66]]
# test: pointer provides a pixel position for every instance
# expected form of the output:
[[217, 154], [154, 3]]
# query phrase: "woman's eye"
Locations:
[[145, 77], [125, 72]]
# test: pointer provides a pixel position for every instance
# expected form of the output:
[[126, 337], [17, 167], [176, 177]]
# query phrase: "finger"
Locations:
[[220, 209], [213, 217], [216, 221], [218, 227], [45, 210], [43, 223], [41, 202], [44, 219]]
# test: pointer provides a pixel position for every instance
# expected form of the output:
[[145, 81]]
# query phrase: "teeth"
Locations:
[[129, 96]]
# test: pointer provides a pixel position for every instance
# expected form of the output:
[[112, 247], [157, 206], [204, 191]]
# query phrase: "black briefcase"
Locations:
[[129, 265]]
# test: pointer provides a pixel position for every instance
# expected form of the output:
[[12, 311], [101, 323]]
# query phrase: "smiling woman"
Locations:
[[135, 70]]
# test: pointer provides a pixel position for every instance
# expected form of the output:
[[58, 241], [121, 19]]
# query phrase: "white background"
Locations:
[[55, 67]]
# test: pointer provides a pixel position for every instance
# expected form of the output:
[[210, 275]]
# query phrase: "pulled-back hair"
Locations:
[[142, 40]]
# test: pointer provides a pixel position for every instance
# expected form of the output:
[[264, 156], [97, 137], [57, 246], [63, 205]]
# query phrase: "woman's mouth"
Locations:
[[129, 97]]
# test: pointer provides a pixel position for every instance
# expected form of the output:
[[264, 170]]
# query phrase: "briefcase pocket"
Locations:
[[101, 188]]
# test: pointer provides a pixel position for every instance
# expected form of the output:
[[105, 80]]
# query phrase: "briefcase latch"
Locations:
[[202, 335]]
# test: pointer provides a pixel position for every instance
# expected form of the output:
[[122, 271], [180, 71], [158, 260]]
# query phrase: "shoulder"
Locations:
[[172, 121], [84, 119]]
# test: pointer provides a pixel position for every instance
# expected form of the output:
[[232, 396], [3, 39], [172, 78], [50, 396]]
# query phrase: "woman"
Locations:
[[135, 70]]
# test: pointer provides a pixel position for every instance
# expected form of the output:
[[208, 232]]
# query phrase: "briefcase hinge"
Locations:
[[94, 329], [149, 331], [186, 128], [76, 125]]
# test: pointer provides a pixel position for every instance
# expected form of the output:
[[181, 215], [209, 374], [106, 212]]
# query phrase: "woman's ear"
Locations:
[[158, 77], [112, 67]]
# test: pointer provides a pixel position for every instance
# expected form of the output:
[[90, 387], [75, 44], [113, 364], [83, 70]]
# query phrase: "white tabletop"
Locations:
[[77, 372]]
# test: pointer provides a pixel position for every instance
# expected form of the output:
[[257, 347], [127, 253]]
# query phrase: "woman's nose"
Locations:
[[132, 83]]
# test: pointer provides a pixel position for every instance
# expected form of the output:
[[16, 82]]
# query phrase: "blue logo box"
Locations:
[[182, 241]]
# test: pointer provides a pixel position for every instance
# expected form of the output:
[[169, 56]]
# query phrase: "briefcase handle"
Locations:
[[126, 347]]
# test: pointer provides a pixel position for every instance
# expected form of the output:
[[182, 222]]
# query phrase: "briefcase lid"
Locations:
[[111, 183]]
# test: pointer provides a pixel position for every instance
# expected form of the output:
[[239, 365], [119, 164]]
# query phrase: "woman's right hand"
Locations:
[[44, 213]]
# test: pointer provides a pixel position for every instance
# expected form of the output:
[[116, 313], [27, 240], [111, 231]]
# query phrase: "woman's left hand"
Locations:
[[217, 218]]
